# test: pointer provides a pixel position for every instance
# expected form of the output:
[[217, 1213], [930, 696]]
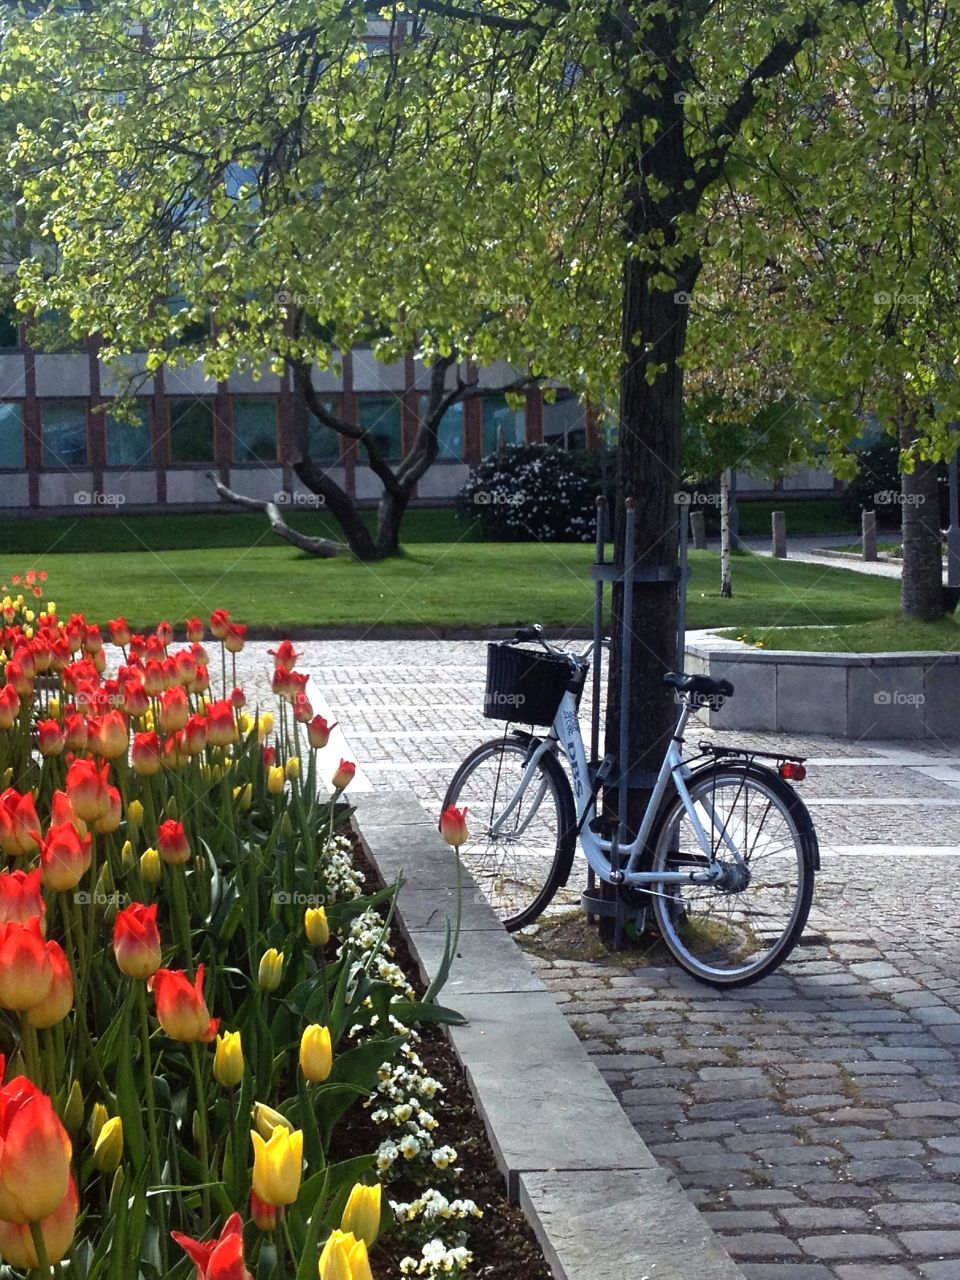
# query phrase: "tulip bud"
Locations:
[[318, 732], [171, 809], [316, 927], [127, 857], [228, 1060], [135, 813], [275, 780], [108, 1149], [265, 724], [344, 1257], [292, 768], [73, 1109], [453, 825], [316, 1054], [150, 866], [278, 1166], [53, 708], [264, 1216], [271, 970], [361, 1216], [344, 775], [266, 1119], [98, 1118], [286, 825], [244, 797], [172, 843]]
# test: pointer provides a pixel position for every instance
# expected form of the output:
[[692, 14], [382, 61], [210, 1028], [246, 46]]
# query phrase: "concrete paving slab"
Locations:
[[483, 965]]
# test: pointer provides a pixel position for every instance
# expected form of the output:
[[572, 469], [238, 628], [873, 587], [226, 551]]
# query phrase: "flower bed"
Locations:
[[196, 993]]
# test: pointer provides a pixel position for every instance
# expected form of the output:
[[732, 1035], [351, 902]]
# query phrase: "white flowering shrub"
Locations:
[[538, 492]]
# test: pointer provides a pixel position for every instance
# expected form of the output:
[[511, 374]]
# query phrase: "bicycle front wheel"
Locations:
[[738, 930], [519, 855]]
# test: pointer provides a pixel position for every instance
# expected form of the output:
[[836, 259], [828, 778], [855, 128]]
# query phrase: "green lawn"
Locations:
[[439, 583], [889, 634]]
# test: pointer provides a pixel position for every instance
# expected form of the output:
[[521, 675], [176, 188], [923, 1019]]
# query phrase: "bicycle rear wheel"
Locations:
[[739, 930], [521, 862]]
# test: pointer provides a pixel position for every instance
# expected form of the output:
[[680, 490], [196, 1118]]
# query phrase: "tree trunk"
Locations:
[[726, 585], [389, 516], [921, 591]]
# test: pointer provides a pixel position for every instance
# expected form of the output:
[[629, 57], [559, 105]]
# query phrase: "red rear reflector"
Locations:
[[792, 771]]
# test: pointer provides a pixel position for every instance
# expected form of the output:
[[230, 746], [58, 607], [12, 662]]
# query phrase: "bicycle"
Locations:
[[725, 854]]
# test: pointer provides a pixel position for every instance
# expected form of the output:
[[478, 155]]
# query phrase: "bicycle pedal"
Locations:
[[602, 827]]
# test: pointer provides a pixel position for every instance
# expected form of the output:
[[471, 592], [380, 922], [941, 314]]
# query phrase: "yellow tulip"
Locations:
[[271, 969], [316, 1054], [265, 725], [126, 854], [228, 1060], [135, 813], [243, 796], [316, 927], [150, 866], [344, 1257], [277, 1166], [292, 768], [275, 780], [53, 708], [108, 1148], [266, 1120], [362, 1213]]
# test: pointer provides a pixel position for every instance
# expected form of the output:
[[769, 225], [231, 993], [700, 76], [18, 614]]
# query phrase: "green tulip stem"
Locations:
[[182, 917], [31, 1052], [282, 1217], [40, 1248], [202, 1121], [141, 989]]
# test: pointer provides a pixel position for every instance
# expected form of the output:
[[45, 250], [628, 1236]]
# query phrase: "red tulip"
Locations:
[[174, 709], [75, 729], [16, 1241], [220, 1259], [35, 1155], [344, 775], [51, 737], [175, 753], [172, 843], [186, 667], [219, 622], [269, 757], [18, 675], [194, 630], [302, 709], [201, 681], [164, 633], [119, 632], [453, 825], [238, 699], [181, 1009], [20, 896], [284, 655], [59, 999], [136, 703], [112, 736], [145, 754], [136, 940], [64, 858], [19, 824], [92, 639], [280, 681], [154, 680], [318, 731], [61, 811], [111, 819], [25, 971], [263, 1216], [195, 735], [87, 789], [221, 725], [9, 706]]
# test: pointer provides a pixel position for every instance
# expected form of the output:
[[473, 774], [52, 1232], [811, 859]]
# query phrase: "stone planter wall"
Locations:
[[845, 695]]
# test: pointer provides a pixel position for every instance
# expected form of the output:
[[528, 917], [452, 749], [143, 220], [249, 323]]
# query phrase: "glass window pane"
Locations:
[[9, 334], [255, 430], [128, 443], [565, 422], [497, 416], [11, 435], [64, 427], [324, 442], [191, 431], [450, 431], [381, 416]]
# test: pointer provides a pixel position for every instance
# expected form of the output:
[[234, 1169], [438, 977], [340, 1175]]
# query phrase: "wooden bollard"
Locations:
[[779, 535]]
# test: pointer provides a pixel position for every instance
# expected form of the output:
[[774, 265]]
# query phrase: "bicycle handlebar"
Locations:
[[535, 632]]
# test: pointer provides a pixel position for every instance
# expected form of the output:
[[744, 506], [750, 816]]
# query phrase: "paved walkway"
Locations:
[[804, 548], [815, 1117]]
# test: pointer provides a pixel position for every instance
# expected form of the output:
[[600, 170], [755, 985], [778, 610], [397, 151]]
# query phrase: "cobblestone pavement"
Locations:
[[815, 1117]]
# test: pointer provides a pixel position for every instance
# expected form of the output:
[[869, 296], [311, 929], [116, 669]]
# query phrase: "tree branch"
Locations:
[[326, 548]]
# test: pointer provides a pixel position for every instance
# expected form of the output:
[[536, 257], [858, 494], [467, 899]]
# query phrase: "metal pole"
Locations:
[[597, 656], [953, 532], [682, 588], [626, 649]]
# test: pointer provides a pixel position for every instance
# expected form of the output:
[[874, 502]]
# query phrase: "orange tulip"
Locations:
[[145, 755], [174, 709], [9, 706], [16, 1241], [453, 825], [87, 789], [35, 1155], [221, 725], [136, 940], [26, 974], [318, 732], [50, 737], [344, 775], [181, 1009], [59, 1000], [172, 843], [19, 824], [20, 896], [65, 858]]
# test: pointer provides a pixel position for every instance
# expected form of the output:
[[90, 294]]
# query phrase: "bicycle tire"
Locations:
[[486, 859], [673, 848]]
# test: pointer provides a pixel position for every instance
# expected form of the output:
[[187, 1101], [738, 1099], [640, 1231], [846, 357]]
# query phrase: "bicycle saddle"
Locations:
[[704, 686]]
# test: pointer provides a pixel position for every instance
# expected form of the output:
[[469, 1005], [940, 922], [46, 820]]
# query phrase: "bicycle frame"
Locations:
[[565, 733]]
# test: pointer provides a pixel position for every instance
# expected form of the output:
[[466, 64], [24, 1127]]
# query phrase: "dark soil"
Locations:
[[502, 1242]]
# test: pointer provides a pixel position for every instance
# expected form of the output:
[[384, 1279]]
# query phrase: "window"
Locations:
[[255, 430], [450, 431], [63, 424], [381, 417], [565, 422], [128, 443], [497, 417], [9, 333], [323, 441], [11, 436], [191, 431]]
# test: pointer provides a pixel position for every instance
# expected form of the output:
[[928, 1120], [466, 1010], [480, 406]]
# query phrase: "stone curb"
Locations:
[[600, 1205]]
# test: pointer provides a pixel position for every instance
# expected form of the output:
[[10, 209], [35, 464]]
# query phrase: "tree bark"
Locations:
[[921, 586], [326, 548], [726, 583]]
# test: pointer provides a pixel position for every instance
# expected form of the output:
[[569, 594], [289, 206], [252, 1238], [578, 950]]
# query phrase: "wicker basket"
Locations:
[[525, 686]]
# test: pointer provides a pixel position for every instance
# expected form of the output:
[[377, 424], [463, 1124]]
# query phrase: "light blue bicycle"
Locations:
[[726, 853]]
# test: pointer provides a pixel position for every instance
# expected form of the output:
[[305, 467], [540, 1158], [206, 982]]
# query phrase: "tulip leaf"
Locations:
[[307, 1268], [411, 1012]]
